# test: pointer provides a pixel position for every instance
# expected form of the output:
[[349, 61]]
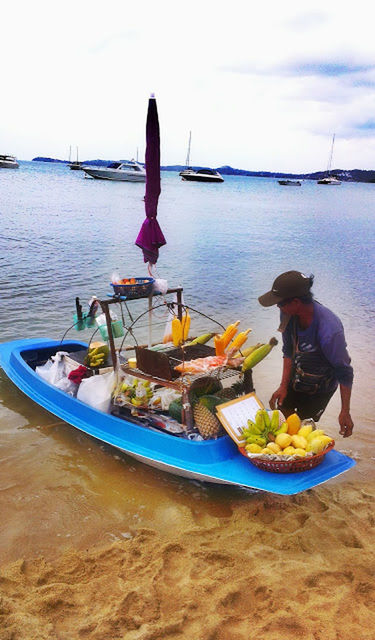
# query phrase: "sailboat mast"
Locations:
[[70, 153], [330, 156], [77, 154], [188, 153]]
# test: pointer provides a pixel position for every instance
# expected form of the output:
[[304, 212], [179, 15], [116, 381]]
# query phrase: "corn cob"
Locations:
[[185, 326], [246, 352], [238, 341], [176, 332], [201, 339], [219, 345], [229, 333], [258, 355]]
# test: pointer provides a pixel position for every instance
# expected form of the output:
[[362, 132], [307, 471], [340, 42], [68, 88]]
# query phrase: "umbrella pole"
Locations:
[[104, 305], [149, 321]]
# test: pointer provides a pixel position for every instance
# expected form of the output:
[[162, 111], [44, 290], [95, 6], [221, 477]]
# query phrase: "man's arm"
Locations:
[[345, 420]]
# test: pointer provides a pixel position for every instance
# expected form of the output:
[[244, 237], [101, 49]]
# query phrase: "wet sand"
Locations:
[[95, 545], [299, 567]]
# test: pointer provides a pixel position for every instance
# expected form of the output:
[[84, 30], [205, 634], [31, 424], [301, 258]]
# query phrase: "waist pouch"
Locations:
[[311, 374]]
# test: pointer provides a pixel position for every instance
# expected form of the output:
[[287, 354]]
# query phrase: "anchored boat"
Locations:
[[217, 461]]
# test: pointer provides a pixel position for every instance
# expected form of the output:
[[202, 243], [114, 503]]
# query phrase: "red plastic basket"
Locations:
[[288, 466]]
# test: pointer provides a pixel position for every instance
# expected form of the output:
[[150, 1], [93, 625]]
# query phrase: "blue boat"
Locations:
[[216, 461]]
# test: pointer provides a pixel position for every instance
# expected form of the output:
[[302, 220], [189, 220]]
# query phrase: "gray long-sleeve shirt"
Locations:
[[325, 334]]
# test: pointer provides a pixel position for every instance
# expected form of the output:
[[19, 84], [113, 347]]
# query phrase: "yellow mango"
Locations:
[[315, 434], [267, 451], [283, 440], [299, 442], [294, 424], [305, 431], [253, 448], [318, 444], [300, 452], [274, 447], [289, 451]]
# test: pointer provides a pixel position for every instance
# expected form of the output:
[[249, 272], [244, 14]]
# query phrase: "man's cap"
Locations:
[[291, 284]]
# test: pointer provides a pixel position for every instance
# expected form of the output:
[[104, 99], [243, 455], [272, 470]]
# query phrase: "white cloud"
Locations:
[[261, 87]]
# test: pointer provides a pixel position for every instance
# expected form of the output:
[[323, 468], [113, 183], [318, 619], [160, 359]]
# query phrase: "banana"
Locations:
[[275, 421], [266, 419], [254, 439]]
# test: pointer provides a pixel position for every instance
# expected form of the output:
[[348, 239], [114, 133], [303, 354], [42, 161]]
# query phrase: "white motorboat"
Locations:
[[123, 171], [202, 175], [8, 162], [329, 180]]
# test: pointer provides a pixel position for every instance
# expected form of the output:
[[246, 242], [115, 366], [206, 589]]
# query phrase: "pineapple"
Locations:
[[228, 393], [207, 424]]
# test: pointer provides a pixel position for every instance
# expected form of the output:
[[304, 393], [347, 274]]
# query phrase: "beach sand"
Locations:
[[276, 568]]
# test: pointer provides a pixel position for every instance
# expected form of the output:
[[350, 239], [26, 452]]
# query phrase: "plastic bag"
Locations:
[[162, 398], [160, 286], [97, 391], [68, 386], [54, 369]]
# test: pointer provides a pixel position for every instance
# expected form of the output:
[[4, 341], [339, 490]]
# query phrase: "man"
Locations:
[[316, 360]]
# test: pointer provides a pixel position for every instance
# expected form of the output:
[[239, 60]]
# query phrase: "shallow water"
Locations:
[[62, 236]]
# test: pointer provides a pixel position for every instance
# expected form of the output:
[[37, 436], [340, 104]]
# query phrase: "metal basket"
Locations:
[[140, 289], [288, 466]]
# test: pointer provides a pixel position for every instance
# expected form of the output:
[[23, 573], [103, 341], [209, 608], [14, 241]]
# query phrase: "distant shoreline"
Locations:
[[346, 175]]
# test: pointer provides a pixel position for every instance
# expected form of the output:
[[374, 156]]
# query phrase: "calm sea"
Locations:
[[62, 236]]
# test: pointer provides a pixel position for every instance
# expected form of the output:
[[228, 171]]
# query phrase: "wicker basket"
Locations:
[[288, 466], [140, 289]]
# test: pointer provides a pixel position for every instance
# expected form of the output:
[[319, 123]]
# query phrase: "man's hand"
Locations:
[[278, 397], [346, 424]]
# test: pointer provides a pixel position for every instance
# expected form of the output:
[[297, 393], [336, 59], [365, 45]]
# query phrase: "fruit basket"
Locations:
[[133, 288], [271, 463]]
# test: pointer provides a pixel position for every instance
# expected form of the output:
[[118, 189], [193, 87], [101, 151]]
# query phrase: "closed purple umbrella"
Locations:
[[150, 237]]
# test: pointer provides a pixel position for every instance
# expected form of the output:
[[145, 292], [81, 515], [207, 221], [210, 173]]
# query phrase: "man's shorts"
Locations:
[[305, 405]]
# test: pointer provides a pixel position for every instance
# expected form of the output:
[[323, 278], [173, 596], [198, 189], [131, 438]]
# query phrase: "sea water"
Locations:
[[63, 235]]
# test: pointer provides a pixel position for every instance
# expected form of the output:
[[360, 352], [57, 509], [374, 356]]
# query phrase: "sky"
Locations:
[[261, 86]]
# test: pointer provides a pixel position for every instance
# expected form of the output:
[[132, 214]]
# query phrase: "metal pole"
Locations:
[[104, 305]]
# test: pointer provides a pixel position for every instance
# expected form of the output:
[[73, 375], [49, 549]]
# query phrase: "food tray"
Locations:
[[288, 466], [140, 289]]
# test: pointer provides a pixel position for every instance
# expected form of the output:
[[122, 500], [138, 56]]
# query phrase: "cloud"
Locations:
[[326, 68]]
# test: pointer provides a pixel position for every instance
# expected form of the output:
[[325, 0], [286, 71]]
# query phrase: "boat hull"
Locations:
[[8, 165], [290, 183], [216, 461], [103, 174], [200, 178], [330, 182]]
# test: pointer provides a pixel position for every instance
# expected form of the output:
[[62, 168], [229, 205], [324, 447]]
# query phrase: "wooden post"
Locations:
[[187, 412]]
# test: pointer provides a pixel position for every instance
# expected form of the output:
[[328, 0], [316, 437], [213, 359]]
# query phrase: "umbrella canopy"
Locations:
[[150, 237]]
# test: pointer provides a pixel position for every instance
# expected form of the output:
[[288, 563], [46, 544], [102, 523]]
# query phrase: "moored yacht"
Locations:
[[8, 162], [290, 183], [122, 171], [202, 175], [329, 180]]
